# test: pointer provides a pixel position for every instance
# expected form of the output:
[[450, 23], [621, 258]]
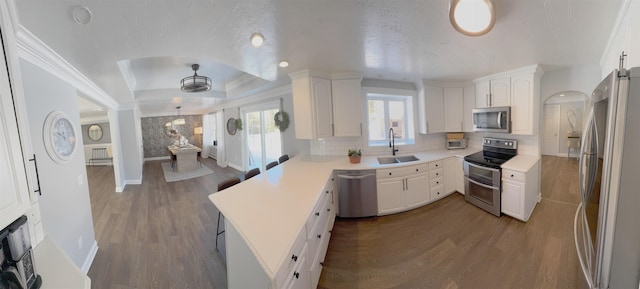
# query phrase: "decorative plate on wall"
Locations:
[[231, 126], [59, 136], [95, 132]]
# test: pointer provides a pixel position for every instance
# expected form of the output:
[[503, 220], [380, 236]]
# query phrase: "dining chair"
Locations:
[[272, 164], [221, 186], [251, 173], [283, 158]]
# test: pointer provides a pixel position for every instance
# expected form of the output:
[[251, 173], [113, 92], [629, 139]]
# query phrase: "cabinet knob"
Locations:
[[328, 209], [330, 231], [326, 192], [436, 165], [296, 274], [437, 183], [294, 258], [317, 213], [321, 263], [437, 174], [417, 170], [512, 176], [389, 173], [319, 236]]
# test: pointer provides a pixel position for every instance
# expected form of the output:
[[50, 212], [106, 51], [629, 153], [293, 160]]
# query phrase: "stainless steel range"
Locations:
[[482, 173]]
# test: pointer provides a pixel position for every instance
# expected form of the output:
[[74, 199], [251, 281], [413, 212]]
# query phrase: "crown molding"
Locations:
[[239, 81], [622, 14], [32, 49]]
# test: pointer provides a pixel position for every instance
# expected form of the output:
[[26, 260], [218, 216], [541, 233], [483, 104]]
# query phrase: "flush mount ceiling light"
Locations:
[[195, 83], [472, 17], [283, 63], [256, 39], [82, 15]]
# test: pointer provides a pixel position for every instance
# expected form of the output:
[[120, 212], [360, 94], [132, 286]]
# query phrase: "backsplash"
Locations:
[[527, 144], [340, 146]]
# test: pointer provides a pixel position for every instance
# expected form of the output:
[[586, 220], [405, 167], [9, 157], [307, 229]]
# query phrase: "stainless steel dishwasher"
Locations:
[[357, 193]]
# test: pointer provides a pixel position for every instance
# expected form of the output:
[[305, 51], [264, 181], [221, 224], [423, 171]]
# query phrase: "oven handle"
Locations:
[[482, 167], [480, 184]]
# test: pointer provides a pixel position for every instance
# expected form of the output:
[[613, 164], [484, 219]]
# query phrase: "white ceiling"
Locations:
[[155, 42]]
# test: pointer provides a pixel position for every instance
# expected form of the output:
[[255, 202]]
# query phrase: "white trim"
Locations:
[[120, 189], [256, 98], [156, 158], [622, 13], [32, 49], [237, 167], [95, 119], [89, 260], [127, 74], [531, 69], [239, 81], [133, 182]]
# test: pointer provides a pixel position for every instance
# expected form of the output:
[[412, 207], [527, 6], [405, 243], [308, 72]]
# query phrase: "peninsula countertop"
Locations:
[[270, 209]]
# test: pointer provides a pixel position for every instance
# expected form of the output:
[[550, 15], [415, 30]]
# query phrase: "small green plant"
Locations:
[[355, 152]]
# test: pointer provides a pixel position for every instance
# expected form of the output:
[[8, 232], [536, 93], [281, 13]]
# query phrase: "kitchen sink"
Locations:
[[404, 159], [393, 160], [387, 160]]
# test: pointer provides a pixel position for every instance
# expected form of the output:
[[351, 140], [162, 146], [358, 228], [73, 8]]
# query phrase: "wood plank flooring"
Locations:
[[162, 235]]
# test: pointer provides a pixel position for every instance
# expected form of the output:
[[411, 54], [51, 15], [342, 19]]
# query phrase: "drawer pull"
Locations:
[[417, 170], [389, 173], [512, 175], [319, 236], [296, 274], [437, 174], [326, 192], [436, 165], [294, 258], [317, 213], [437, 183], [328, 209], [321, 263]]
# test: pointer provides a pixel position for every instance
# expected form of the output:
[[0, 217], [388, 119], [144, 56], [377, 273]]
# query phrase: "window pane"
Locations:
[[376, 120], [396, 118], [273, 143]]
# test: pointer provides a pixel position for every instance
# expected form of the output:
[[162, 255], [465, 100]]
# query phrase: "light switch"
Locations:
[[80, 180]]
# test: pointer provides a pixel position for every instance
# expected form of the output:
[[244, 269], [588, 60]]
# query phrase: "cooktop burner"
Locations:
[[495, 152]]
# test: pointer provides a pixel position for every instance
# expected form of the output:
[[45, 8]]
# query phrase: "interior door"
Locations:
[[550, 134]]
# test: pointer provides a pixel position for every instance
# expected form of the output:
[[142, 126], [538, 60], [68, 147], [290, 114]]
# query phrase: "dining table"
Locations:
[[186, 157]]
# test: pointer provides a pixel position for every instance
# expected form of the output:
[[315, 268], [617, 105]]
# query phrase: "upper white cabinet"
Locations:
[[469, 103], [326, 105], [14, 196], [312, 107], [432, 110], [519, 89], [346, 91], [493, 92], [453, 109]]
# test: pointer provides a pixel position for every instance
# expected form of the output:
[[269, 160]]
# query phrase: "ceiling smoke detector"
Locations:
[[195, 83]]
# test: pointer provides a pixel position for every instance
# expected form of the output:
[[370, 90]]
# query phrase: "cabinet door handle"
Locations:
[[294, 258], [35, 164], [317, 213], [328, 209], [296, 274], [321, 263], [319, 236], [407, 182]]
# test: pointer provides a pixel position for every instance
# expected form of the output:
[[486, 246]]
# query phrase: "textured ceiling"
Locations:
[[389, 39]]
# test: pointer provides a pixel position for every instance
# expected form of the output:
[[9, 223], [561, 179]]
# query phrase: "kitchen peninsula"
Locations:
[[273, 238]]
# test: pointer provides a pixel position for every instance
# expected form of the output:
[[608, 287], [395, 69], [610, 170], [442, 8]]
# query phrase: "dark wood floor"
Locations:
[[162, 235]]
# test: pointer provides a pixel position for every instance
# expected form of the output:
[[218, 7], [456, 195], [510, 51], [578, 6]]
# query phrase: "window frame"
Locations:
[[389, 94]]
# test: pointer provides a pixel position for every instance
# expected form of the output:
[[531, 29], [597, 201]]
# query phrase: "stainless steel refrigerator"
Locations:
[[607, 222]]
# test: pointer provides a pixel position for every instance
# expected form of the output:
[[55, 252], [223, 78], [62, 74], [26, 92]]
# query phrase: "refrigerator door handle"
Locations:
[[587, 135], [585, 270]]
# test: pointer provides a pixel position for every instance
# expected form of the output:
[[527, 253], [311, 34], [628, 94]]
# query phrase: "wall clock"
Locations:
[[231, 126], [59, 136]]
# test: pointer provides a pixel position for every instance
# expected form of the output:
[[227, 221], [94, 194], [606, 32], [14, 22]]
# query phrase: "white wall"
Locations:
[[130, 144], [580, 78], [625, 36], [64, 205]]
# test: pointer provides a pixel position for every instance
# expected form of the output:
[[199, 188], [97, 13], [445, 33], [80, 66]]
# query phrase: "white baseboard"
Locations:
[[133, 182], [89, 260], [120, 189], [237, 167]]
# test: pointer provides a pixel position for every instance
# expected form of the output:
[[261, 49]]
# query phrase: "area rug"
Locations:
[[171, 176]]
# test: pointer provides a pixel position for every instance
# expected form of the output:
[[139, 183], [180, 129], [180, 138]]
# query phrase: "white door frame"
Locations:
[[556, 130]]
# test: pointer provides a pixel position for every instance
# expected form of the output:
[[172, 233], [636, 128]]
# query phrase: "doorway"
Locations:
[[263, 139]]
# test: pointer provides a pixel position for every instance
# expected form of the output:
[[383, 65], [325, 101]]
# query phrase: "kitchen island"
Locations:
[[269, 216]]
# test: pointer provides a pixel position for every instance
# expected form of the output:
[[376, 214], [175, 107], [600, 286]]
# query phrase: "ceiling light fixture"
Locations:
[[178, 121], [472, 17], [82, 15], [195, 83], [256, 39], [283, 64]]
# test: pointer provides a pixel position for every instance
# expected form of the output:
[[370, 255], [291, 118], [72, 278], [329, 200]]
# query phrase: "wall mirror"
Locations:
[[95, 132]]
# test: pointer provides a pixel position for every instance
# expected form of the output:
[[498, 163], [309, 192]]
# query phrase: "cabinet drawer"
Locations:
[[321, 206], [437, 192], [435, 165], [399, 172], [299, 275], [294, 257], [436, 182], [433, 174], [513, 175], [318, 233]]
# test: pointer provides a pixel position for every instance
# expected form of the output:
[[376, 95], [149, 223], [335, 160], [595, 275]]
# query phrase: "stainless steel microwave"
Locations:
[[492, 119]]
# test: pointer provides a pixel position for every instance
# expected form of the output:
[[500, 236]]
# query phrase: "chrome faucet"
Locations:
[[392, 141]]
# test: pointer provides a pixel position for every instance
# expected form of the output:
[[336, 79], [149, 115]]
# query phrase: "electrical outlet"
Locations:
[[80, 180], [80, 243]]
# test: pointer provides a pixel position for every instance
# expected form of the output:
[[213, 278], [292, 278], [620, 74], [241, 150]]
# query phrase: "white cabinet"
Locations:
[[450, 166], [14, 195], [493, 92], [520, 191], [312, 106], [347, 104], [433, 109], [469, 103], [524, 103], [453, 108], [402, 188], [459, 178]]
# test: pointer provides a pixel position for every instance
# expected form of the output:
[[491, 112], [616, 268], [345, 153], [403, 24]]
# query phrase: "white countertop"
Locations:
[[521, 163], [270, 209], [56, 269]]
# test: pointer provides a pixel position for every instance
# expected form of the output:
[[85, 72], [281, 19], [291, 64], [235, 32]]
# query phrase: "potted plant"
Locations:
[[355, 155]]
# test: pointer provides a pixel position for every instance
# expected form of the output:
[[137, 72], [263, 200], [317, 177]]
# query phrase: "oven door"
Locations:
[[482, 187]]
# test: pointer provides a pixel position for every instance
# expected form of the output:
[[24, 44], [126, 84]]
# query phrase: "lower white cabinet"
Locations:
[[450, 166], [390, 195], [402, 188], [415, 193], [520, 192], [299, 279], [459, 178]]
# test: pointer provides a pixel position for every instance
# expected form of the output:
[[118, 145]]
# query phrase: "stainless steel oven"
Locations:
[[482, 187]]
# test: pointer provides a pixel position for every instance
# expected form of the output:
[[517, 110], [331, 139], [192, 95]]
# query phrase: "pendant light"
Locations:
[[472, 17], [178, 121]]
